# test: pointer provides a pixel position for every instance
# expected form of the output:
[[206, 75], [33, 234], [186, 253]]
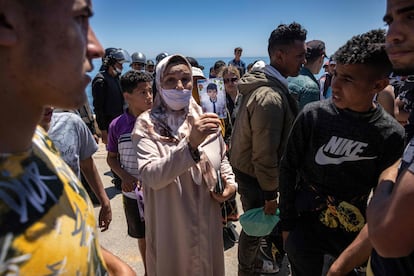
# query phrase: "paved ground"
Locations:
[[116, 239]]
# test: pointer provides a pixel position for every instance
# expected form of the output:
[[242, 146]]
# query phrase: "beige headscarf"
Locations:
[[162, 123]]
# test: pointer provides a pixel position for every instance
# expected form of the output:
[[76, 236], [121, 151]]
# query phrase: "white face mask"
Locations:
[[117, 71], [176, 99]]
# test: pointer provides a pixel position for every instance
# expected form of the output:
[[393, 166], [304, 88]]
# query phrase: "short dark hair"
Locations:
[[218, 65], [194, 63], [367, 48], [285, 35], [212, 86], [130, 80]]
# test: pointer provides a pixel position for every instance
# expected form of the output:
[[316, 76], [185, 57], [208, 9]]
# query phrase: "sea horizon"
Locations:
[[207, 62]]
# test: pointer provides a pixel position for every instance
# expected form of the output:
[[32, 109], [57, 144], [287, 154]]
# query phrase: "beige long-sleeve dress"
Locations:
[[183, 221]]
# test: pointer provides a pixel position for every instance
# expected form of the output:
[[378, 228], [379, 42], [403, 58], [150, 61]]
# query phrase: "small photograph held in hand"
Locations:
[[212, 96]]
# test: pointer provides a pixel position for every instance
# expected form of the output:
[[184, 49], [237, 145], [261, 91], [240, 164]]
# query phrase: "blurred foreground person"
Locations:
[[47, 219], [390, 226]]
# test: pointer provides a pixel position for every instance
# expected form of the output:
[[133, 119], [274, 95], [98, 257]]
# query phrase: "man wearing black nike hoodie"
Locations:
[[335, 153]]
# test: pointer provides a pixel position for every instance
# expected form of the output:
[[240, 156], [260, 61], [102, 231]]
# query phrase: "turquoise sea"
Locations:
[[206, 62]]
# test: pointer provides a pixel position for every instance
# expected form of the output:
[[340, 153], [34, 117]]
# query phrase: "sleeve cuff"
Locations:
[[270, 195], [195, 154]]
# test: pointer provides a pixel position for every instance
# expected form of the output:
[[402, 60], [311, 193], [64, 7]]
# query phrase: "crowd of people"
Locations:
[[333, 155]]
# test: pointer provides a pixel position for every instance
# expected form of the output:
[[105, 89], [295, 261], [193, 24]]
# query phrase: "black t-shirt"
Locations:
[[337, 153], [403, 265]]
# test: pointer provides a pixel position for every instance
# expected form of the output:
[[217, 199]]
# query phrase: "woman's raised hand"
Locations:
[[201, 127]]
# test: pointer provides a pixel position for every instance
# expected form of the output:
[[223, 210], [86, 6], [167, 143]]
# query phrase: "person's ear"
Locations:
[[322, 59], [379, 85], [126, 95], [8, 18], [279, 56]]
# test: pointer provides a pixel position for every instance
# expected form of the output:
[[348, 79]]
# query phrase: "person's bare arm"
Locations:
[[386, 99], [116, 267], [389, 214], [91, 174], [356, 254], [104, 136]]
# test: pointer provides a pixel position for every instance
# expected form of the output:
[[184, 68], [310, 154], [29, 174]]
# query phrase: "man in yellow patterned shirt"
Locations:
[[47, 222]]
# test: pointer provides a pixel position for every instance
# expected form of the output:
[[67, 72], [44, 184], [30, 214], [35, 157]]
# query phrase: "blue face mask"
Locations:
[[176, 99]]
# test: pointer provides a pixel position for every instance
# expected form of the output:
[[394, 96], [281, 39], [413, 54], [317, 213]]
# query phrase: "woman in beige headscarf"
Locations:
[[180, 154]]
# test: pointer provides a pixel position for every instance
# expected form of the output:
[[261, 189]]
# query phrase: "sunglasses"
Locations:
[[230, 80]]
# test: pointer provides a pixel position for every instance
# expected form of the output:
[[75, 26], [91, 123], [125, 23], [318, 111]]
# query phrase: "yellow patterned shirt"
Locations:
[[47, 222]]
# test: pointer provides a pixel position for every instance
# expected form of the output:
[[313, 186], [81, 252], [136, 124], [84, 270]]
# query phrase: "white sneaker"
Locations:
[[269, 267]]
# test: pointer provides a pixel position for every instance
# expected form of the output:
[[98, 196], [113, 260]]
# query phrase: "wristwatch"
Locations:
[[195, 154]]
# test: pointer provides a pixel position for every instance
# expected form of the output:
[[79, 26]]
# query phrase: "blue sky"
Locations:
[[214, 28]]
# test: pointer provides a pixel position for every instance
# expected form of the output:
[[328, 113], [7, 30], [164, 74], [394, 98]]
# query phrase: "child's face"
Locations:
[[212, 93], [140, 99], [354, 87]]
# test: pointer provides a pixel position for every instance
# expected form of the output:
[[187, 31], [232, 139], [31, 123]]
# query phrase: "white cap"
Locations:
[[258, 66], [197, 72]]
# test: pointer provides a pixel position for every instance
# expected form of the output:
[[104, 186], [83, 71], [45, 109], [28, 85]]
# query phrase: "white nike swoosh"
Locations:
[[322, 159]]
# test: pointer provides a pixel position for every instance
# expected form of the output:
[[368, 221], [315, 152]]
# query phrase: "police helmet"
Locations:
[[114, 55], [138, 57], [161, 57]]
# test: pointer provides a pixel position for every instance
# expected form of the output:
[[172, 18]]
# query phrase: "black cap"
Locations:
[[194, 63]]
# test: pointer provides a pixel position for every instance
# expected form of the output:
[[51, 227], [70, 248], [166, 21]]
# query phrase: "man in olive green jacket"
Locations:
[[261, 129]]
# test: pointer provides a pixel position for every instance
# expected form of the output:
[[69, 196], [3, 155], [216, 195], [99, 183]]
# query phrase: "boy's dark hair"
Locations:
[[285, 35], [212, 86], [130, 80], [367, 48]]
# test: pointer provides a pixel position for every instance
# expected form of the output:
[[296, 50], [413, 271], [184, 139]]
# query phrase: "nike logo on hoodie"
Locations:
[[339, 150]]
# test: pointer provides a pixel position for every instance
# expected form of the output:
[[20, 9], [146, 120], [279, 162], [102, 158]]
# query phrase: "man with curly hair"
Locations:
[[265, 116], [334, 156]]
